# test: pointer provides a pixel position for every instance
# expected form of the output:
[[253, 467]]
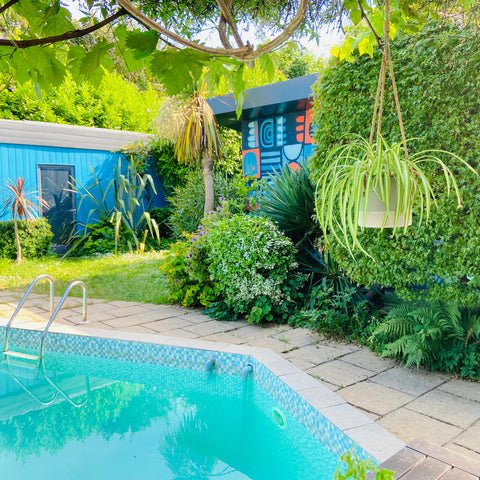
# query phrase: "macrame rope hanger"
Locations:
[[380, 95]]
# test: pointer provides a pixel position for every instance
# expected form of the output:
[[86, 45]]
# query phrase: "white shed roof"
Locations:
[[23, 132]]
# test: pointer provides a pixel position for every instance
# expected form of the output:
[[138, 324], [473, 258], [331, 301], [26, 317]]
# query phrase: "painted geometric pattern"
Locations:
[[270, 143]]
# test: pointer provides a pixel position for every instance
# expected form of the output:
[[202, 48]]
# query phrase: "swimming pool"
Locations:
[[153, 411]]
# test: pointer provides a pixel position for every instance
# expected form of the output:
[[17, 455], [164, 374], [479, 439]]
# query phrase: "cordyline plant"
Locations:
[[187, 120], [20, 201]]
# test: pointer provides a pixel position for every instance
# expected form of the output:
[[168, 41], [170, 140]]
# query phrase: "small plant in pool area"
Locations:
[[354, 468]]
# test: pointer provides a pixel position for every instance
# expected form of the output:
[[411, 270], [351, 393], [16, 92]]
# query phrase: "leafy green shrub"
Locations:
[[99, 238], [332, 304], [435, 334], [253, 267], [437, 77], [172, 172], [35, 237], [186, 266], [188, 201]]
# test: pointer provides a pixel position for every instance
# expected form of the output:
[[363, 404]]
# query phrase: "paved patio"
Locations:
[[408, 403]]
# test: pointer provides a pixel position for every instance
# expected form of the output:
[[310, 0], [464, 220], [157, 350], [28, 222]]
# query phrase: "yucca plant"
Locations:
[[289, 201], [20, 201], [187, 120], [356, 171]]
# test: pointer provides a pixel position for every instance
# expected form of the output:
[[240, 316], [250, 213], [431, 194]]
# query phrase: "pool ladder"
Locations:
[[53, 315]]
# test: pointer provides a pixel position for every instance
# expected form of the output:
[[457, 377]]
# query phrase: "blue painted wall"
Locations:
[[23, 160]]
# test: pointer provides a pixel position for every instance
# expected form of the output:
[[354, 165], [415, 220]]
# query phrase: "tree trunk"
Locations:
[[17, 240], [207, 172]]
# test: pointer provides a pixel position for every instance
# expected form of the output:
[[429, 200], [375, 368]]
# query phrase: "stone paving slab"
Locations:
[[470, 439], [462, 388], [317, 354], [409, 425], [297, 337], [375, 398], [369, 360], [172, 323], [340, 373], [447, 407], [412, 381]]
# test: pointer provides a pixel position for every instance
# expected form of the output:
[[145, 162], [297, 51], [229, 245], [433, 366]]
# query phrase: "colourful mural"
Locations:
[[270, 143]]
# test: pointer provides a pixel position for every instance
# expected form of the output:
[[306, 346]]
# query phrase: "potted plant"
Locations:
[[364, 173], [359, 175]]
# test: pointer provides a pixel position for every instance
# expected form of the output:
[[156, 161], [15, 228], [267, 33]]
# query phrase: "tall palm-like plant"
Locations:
[[188, 121], [20, 201]]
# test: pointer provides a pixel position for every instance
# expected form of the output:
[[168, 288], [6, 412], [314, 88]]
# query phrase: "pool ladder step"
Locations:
[[53, 315], [26, 356]]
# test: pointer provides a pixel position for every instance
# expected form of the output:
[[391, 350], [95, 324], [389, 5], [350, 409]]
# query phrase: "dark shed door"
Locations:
[[54, 189]]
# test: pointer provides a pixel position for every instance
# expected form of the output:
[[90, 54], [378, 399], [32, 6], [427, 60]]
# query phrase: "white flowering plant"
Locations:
[[253, 267]]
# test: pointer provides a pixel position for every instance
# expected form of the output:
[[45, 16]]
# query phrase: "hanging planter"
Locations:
[[376, 184], [374, 212], [395, 182]]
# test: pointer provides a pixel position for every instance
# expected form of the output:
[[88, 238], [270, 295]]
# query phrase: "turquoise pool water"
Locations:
[[149, 420]]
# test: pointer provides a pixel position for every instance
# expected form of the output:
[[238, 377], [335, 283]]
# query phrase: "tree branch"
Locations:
[[226, 14], [142, 18], [222, 28], [370, 26], [64, 36], [244, 53], [289, 30], [8, 5]]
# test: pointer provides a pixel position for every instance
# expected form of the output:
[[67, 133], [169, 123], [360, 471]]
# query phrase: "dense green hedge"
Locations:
[[35, 237], [114, 104], [439, 85]]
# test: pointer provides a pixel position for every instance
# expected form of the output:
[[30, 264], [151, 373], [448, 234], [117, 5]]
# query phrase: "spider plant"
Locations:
[[357, 170]]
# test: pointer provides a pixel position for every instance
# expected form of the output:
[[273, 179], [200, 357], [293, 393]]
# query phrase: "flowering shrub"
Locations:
[[252, 265], [186, 267], [186, 271]]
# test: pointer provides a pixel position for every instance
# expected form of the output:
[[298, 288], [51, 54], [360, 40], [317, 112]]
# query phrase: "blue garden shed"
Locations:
[[49, 155], [276, 124]]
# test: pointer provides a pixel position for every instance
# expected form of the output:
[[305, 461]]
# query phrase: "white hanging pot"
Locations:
[[377, 215]]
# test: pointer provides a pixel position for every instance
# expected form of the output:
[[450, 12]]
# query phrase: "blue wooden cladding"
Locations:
[[23, 161]]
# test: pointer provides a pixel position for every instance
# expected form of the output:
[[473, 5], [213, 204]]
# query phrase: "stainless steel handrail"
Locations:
[[22, 301], [59, 306], [65, 394]]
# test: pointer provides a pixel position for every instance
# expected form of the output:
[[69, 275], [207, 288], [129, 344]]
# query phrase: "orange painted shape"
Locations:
[[294, 166]]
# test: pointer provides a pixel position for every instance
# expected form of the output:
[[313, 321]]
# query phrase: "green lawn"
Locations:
[[131, 277]]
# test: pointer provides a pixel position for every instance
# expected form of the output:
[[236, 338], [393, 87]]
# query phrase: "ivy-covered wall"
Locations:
[[437, 73]]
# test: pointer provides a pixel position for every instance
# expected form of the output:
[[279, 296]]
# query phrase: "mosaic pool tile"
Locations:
[[117, 351]]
